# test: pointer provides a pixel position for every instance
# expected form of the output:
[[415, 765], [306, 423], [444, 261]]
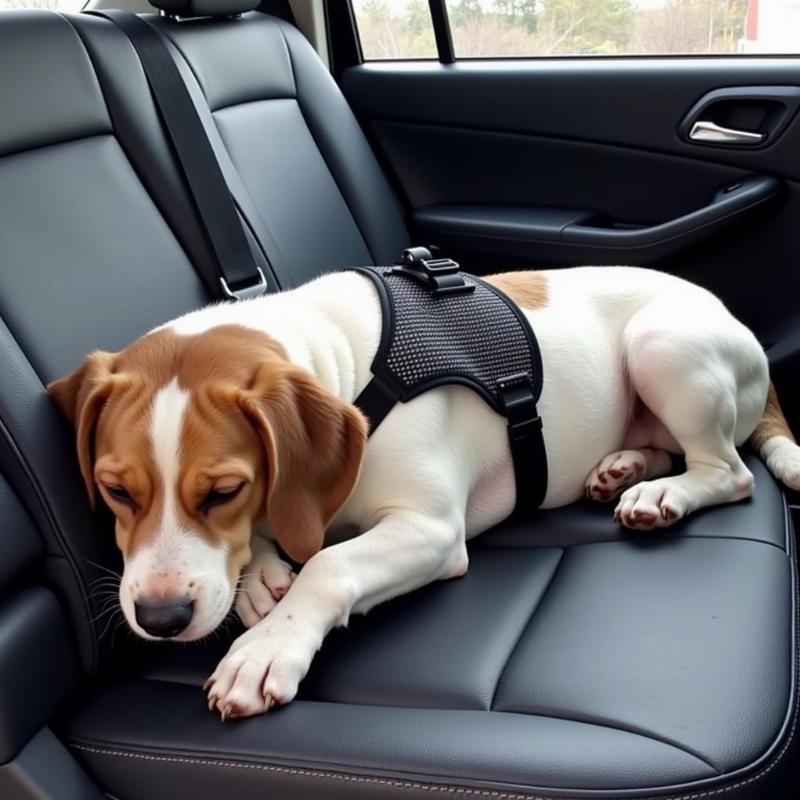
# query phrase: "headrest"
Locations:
[[205, 8]]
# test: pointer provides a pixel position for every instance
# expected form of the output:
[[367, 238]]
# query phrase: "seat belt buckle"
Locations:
[[245, 292], [440, 275], [519, 404]]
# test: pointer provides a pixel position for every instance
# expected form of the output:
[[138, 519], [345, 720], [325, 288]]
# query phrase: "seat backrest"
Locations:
[[307, 170], [90, 259]]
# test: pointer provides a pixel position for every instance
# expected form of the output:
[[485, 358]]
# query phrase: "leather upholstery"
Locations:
[[20, 544], [294, 143], [137, 128], [40, 111], [34, 638], [45, 769], [657, 662], [573, 660]]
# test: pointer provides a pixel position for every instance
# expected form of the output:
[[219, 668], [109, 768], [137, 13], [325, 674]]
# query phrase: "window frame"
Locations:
[[336, 12]]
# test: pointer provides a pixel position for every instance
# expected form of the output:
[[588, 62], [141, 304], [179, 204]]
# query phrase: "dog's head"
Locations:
[[191, 441]]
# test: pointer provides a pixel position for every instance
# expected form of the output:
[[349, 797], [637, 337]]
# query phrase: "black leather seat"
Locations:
[[573, 660]]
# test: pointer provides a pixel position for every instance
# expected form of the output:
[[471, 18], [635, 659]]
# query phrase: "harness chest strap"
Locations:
[[442, 326]]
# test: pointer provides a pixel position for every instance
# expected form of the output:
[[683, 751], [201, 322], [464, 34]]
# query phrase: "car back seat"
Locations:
[[297, 162], [573, 660]]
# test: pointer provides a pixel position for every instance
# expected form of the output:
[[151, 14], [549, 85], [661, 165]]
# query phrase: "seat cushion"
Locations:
[[571, 660]]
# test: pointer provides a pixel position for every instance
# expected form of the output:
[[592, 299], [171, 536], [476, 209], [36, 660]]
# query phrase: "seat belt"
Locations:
[[238, 277]]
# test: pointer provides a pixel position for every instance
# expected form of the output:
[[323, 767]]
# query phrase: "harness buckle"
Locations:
[[516, 394], [440, 275], [245, 292]]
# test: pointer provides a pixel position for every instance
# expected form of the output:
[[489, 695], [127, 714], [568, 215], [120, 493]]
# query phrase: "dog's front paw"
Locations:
[[263, 668], [265, 582], [614, 473]]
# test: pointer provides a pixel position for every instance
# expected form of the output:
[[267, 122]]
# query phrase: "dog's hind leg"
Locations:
[[704, 376]]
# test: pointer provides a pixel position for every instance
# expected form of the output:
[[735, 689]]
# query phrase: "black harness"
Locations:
[[444, 326]]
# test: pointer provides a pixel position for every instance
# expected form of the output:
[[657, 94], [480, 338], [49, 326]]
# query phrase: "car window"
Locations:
[[56, 5], [395, 29], [535, 28]]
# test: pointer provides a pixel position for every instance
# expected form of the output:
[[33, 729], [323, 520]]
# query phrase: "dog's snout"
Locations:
[[166, 617]]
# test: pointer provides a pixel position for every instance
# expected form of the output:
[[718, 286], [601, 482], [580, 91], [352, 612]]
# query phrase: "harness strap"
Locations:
[[377, 399], [526, 440], [515, 395], [525, 436]]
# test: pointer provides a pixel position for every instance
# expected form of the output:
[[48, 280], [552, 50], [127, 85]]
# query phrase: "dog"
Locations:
[[231, 431]]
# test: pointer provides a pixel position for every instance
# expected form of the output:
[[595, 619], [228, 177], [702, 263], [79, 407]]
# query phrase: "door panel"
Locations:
[[603, 140], [630, 102]]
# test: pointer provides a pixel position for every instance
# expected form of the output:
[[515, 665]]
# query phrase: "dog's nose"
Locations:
[[164, 618]]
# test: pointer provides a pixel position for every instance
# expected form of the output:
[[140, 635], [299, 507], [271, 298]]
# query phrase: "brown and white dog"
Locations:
[[232, 428]]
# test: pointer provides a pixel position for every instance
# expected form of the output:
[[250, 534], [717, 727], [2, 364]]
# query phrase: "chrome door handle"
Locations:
[[706, 131]]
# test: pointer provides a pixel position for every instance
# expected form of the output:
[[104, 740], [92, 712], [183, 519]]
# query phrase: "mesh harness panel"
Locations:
[[468, 333]]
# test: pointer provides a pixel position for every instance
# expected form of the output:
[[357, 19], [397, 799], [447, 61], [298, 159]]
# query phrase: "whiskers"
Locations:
[[104, 593], [231, 619], [238, 589]]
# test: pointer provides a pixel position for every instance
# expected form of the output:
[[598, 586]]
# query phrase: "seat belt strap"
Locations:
[[239, 277]]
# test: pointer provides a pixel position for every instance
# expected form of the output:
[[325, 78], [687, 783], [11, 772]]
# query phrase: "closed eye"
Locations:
[[219, 497], [122, 495]]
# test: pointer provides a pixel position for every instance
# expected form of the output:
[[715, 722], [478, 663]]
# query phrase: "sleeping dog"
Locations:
[[232, 430]]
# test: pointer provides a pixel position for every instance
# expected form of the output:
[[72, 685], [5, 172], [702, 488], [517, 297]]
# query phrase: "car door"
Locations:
[[548, 133]]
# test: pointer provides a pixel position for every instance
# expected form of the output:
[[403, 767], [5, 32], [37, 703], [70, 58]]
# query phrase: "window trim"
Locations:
[[441, 31], [446, 53], [341, 30]]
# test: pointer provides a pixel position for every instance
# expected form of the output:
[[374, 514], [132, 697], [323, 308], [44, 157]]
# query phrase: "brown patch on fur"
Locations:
[[81, 395], [252, 416], [528, 289], [315, 445], [773, 422]]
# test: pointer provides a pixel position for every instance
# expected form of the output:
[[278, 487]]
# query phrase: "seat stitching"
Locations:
[[525, 627], [310, 773], [400, 783], [660, 537]]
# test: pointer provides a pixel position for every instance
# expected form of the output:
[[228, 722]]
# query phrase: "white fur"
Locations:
[[166, 428], [438, 470], [264, 583], [176, 562]]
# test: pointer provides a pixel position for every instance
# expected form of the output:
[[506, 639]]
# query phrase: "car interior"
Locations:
[[575, 659]]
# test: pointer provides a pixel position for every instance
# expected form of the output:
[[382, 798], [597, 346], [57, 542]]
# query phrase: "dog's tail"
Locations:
[[773, 441]]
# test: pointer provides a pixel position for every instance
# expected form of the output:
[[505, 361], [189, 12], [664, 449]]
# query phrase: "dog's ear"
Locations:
[[314, 444], [81, 395]]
